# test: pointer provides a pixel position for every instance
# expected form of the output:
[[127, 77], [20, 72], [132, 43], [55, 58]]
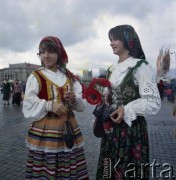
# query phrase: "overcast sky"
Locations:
[[82, 26]]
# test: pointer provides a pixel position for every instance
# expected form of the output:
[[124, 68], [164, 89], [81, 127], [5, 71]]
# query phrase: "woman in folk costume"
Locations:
[[125, 148], [52, 92]]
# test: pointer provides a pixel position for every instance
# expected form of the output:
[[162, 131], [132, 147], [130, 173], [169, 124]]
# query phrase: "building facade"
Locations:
[[19, 71], [87, 75], [102, 71]]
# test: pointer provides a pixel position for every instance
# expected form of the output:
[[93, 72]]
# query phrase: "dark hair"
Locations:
[[50, 47], [53, 44], [118, 35], [129, 37]]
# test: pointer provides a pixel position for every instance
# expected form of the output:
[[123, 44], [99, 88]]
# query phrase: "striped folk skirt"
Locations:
[[48, 157]]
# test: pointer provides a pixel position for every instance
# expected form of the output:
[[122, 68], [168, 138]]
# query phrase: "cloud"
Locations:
[[83, 26], [23, 23]]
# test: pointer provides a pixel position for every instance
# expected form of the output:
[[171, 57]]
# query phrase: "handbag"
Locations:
[[68, 132], [102, 113], [98, 128]]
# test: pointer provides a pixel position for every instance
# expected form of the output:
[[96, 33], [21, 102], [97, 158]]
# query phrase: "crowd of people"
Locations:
[[167, 89], [53, 93], [12, 92]]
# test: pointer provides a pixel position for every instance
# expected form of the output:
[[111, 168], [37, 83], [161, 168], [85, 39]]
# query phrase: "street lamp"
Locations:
[[174, 52]]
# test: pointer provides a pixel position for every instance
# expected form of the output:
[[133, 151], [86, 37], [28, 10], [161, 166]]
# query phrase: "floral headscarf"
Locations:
[[128, 35]]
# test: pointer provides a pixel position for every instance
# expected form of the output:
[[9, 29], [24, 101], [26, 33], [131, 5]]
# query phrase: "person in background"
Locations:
[[17, 92], [1, 88], [6, 92], [52, 93], [134, 95], [161, 88], [23, 85], [174, 108], [174, 100]]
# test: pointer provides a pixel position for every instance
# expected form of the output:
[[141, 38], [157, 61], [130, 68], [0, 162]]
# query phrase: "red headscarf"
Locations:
[[61, 51], [62, 54]]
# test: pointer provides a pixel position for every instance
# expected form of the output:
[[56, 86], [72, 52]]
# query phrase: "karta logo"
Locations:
[[107, 168]]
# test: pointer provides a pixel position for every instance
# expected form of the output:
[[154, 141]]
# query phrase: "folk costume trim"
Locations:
[[48, 86], [38, 79]]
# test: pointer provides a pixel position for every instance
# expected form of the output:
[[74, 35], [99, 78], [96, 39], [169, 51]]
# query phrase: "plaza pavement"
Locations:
[[13, 153]]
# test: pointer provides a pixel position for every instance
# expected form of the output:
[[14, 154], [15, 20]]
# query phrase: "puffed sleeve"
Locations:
[[79, 104], [149, 102], [33, 106]]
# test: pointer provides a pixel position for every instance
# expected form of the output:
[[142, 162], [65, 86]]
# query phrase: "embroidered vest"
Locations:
[[46, 87], [128, 90]]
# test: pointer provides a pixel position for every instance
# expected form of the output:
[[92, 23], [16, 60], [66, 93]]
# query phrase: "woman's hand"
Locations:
[[58, 108], [70, 97], [117, 115]]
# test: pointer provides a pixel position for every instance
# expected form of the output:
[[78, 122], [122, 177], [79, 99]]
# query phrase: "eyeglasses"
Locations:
[[49, 51]]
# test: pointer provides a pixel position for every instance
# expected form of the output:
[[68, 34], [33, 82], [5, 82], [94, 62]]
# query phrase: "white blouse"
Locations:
[[149, 103], [35, 108]]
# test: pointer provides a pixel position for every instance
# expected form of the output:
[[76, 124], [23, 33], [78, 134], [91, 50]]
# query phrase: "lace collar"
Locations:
[[125, 65]]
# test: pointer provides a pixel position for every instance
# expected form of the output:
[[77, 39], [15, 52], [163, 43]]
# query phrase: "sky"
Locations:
[[83, 27]]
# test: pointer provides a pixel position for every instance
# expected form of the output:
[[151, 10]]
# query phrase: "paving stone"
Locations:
[[13, 129]]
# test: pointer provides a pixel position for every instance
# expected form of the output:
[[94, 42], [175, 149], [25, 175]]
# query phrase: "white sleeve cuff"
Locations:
[[129, 115], [48, 106]]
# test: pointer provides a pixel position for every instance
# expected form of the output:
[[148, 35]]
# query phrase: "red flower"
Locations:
[[137, 156], [107, 125], [123, 133], [93, 94], [84, 89], [92, 83], [136, 151], [138, 147], [101, 82], [93, 97]]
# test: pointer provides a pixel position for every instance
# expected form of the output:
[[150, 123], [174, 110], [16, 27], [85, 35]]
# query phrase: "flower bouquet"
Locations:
[[99, 93], [94, 92]]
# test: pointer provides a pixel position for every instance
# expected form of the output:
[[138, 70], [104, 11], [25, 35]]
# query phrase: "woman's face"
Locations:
[[49, 58], [117, 46]]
